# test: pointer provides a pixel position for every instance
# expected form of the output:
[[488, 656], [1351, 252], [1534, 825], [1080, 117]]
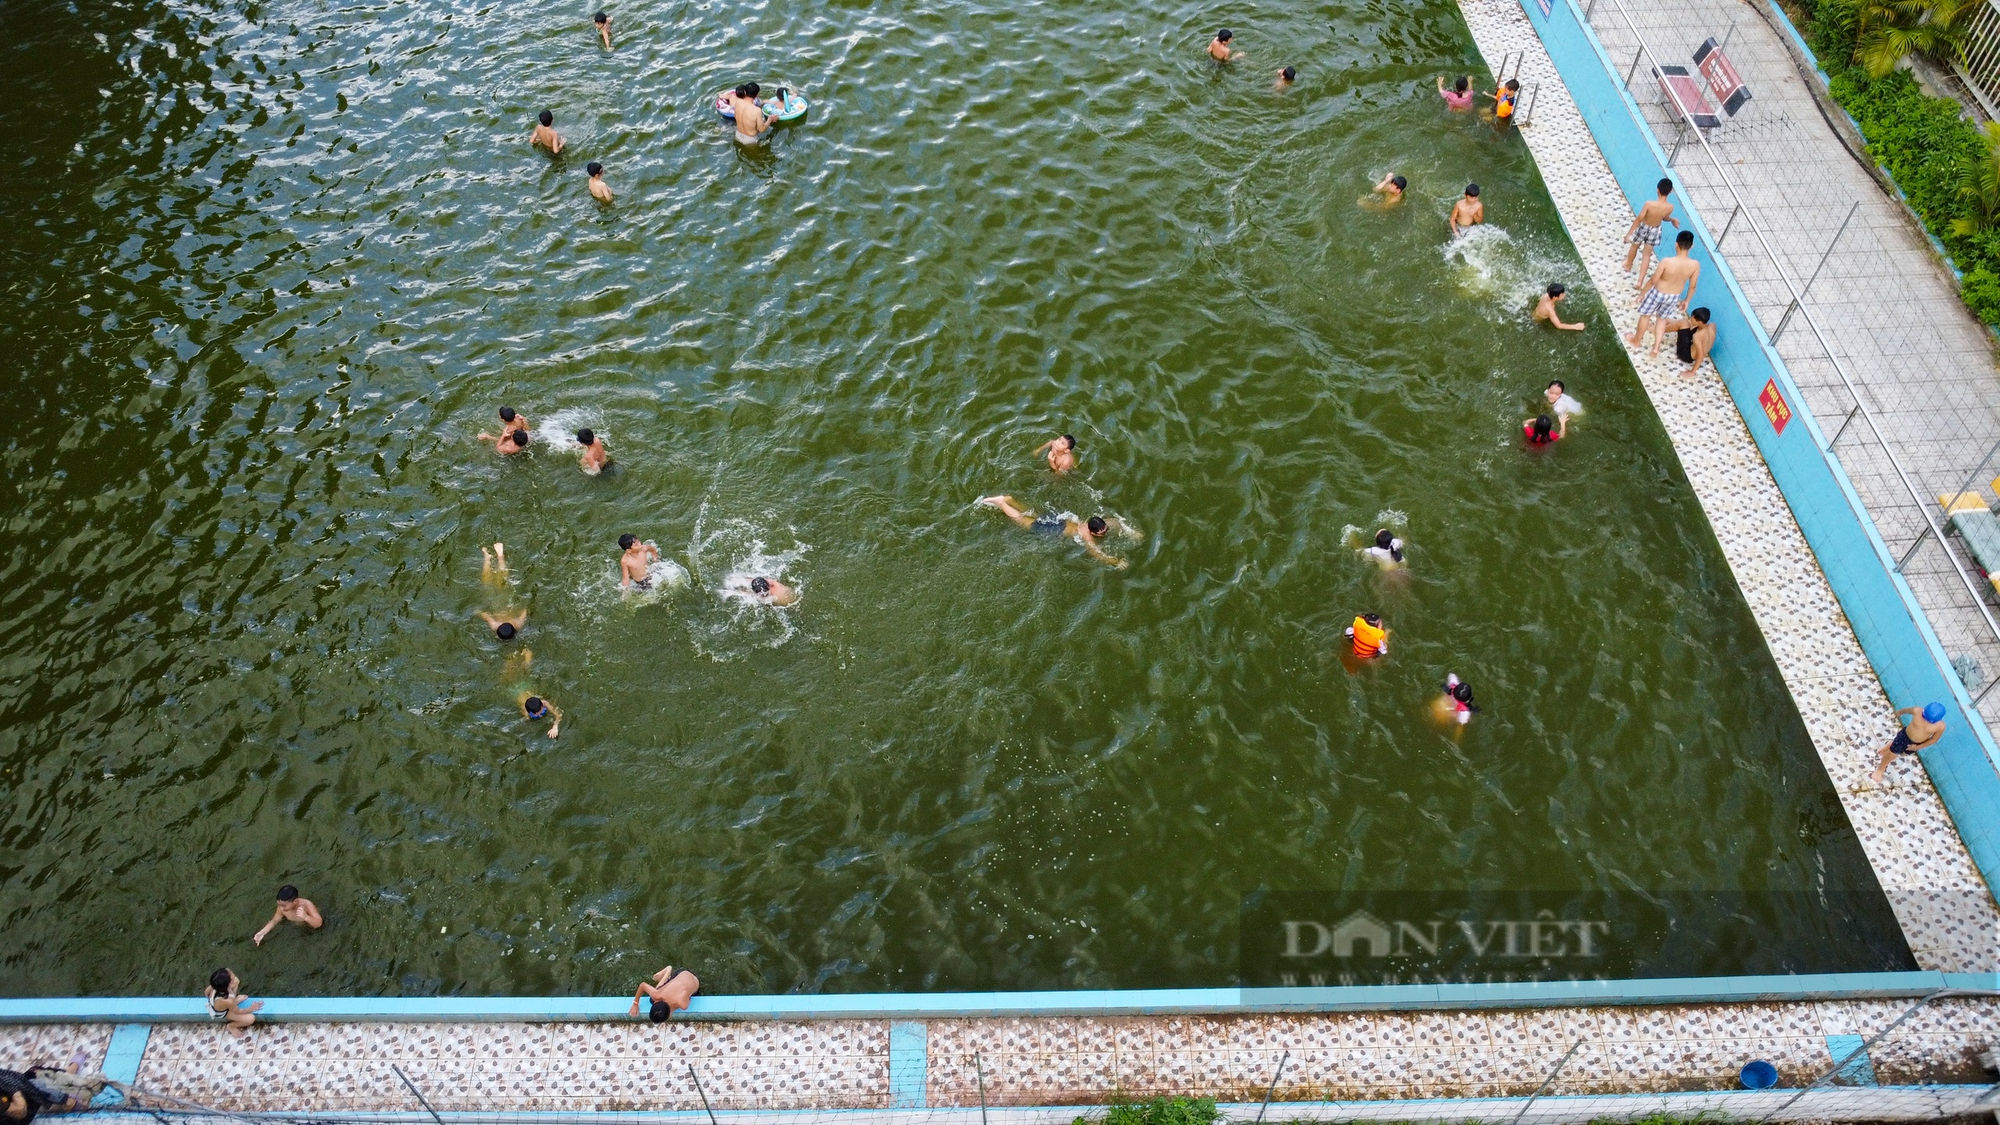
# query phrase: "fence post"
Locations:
[[979, 1068], [1735, 211], [1546, 1082], [1273, 1090], [1634, 68], [421, 1099], [703, 1093]]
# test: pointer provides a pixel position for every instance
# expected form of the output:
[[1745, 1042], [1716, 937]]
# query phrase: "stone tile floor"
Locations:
[[1945, 909]]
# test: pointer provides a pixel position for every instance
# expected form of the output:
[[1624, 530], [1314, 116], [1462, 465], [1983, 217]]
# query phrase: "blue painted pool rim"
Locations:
[[971, 1005]]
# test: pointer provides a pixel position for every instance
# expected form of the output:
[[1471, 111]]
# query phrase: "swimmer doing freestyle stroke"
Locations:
[[770, 591], [1087, 533]]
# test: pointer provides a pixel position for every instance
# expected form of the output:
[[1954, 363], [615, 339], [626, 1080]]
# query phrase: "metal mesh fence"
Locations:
[[1857, 300]]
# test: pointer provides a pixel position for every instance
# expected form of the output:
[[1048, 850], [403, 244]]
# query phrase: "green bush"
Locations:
[[1159, 1111], [1923, 141]]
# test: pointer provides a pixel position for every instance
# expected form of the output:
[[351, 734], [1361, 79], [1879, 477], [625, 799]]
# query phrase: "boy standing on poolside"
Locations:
[[1923, 733], [1644, 234], [1660, 296]]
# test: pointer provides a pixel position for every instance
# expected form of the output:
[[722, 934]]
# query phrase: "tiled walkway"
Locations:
[[1946, 912], [1889, 307], [576, 1067]]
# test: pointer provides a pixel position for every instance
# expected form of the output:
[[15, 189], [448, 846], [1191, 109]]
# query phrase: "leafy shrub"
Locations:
[[1159, 1111]]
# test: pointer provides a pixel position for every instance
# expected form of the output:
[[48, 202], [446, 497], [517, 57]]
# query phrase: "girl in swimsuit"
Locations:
[[1460, 94], [225, 1002]]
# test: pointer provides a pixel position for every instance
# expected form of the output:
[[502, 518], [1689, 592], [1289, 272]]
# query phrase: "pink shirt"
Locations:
[[1457, 100]]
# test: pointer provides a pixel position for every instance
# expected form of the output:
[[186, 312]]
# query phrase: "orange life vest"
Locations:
[[1368, 638], [1506, 106]]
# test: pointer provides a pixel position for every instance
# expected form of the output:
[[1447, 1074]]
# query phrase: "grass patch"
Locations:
[[1159, 1111]]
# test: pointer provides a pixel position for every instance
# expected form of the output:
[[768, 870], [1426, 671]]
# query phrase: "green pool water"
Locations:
[[274, 265]]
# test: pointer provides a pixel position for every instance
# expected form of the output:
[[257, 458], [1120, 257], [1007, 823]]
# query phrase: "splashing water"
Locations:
[[1505, 273]]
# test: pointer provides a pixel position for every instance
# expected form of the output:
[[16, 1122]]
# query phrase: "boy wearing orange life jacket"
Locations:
[[1368, 636], [1504, 100]]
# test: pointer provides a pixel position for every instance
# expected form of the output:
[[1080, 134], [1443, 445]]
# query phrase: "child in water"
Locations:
[[1455, 705], [1387, 552], [1540, 430], [1368, 637]]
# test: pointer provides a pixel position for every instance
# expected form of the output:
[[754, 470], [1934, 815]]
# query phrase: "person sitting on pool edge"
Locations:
[[751, 124], [1537, 431], [534, 708], [594, 457], [1545, 309], [1694, 339], [1923, 733], [670, 992], [1368, 637], [770, 591], [1089, 533], [1061, 451]]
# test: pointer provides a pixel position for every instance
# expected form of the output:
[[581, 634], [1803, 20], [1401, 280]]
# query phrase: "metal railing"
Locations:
[[1978, 62], [1686, 129]]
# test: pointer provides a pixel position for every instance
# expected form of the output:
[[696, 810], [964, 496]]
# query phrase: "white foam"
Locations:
[[734, 551], [558, 430], [1504, 273]]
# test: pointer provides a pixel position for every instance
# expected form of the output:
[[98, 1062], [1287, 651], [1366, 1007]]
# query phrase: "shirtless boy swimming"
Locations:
[[1087, 533], [634, 564], [599, 190], [594, 456], [1061, 451], [751, 124], [545, 134], [1545, 309], [1468, 212], [1218, 47], [770, 591]]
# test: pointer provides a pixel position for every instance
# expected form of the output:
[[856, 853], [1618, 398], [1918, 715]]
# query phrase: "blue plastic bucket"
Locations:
[[1758, 1075]]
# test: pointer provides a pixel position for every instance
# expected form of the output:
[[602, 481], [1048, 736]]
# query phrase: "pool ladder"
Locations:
[[1526, 116]]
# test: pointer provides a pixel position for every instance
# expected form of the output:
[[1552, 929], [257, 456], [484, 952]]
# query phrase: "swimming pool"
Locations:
[[284, 268]]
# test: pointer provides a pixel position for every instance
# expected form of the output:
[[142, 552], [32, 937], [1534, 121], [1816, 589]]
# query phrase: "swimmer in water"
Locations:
[[770, 591], [1368, 636], [751, 124], [534, 709], [1459, 96], [599, 190], [1286, 77], [1504, 101], [507, 442], [603, 23], [1561, 405], [1538, 431], [1468, 212], [1386, 194], [507, 625], [1456, 704], [1387, 552], [1061, 451], [545, 134], [1922, 733], [633, 565], [594, 457], [1089, 533], [1218, 47], [490, 572], [670, 993], [1545, 309]]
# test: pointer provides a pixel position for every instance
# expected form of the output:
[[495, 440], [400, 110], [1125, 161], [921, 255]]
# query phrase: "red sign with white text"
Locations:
[[1775, 407]]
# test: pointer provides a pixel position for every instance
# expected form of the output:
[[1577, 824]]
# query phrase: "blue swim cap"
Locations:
[[1933, 711]]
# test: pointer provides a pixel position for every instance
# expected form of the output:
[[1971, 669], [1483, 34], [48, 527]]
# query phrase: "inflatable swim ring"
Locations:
[[789, 105]]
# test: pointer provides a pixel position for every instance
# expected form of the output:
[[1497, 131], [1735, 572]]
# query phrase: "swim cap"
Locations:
[[1933, 711]]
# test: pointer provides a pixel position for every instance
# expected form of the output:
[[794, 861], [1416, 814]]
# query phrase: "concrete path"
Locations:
[[1887, 303]]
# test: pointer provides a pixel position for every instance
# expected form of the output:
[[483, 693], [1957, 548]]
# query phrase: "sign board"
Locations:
[[1775, 407], [1544, 6]]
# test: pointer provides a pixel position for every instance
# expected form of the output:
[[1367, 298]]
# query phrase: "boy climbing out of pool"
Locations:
[[534, 709], [633, 566], [1385, 194], [670, 992], [545, 134], [1923, 732], [1662, 293], [1545, 309], [293, 909], [751, 124], [1368, 636], [1468, 212], [770, 591], [603, 23], [594, 457], [1088, 533], [1644, 233], [599, 190], [1061, 451], [1694, 338], [1218, 47]]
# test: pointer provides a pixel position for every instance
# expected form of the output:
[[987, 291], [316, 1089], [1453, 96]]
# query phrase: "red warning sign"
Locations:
[[1775, 407]]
